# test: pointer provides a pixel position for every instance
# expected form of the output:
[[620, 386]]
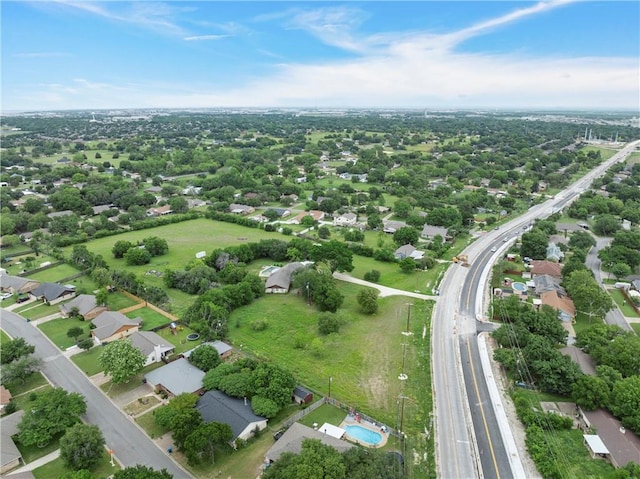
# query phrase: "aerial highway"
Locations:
[[473, 438]]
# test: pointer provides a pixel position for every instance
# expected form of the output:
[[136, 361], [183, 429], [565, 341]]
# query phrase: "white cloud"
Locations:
[[196, 38], [41, 54]]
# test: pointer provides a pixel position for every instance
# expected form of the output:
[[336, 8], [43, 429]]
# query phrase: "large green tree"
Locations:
[[141, 472], [201, 444], [82, 446], [14, 349], [315, 461], [120, 359], [51, 413], [205, 357], [588, 297]]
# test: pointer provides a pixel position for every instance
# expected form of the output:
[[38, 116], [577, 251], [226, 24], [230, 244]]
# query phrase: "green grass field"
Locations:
[[56, 468], [147, 422], [117, 301], [4, 338], [150, 318], [56, 331], [55, 274], [363, 359], [88, 361], [37, 310], [33, 381], [622, 303]]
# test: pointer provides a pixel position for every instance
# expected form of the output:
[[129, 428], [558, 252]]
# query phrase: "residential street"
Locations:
[[593, 262], [130, 443]]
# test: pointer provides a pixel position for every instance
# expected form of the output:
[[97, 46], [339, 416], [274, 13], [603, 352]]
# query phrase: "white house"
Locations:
[[346, 219]]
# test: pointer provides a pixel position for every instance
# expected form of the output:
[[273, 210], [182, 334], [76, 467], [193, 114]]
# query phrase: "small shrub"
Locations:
[[10, 408], [373, 276], [33, 397], [259, 325]]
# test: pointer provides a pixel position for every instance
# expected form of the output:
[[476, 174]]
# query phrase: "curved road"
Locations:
[[130, 443], [470, 437]]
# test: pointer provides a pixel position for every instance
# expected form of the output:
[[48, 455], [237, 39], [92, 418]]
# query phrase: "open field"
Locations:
[[363, 359], [185, 239]]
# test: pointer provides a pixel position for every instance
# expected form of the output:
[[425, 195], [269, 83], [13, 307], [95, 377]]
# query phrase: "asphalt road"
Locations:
[[469, 442], [130, 443], [593, 263]]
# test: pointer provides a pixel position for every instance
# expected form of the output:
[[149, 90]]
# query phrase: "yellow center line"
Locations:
[[484, 419]]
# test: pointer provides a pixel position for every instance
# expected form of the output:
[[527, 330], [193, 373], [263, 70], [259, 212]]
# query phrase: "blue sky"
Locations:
[[422, 54]]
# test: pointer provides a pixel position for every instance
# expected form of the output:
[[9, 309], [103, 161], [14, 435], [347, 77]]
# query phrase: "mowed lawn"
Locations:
[[363, 359], [56, 331], [55, 274], [185, 239]]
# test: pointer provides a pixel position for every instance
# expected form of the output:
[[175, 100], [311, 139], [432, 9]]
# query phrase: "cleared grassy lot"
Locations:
[[623, 304], [364, 358], [185, 239]]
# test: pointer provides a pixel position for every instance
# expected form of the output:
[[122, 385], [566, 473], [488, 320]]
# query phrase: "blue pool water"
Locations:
[[363, 434], [519, 287]]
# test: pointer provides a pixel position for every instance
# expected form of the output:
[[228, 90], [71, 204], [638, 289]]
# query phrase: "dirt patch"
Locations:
[[141, 405]]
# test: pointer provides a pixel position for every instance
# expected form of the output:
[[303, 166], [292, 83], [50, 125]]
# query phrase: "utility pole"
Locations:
[[408, 331]]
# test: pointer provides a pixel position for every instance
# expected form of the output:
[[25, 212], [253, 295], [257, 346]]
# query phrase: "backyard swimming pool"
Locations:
[[521, 287], [363, 434]]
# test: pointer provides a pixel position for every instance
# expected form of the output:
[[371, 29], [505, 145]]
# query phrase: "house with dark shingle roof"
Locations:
[[111, 325], [215, 406], [87, 306], [53, 293], [177, 377], [291, 441]]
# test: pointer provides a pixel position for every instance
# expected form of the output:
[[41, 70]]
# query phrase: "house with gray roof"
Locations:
[[10, 456], [152, 345], [280, 281], [17, 284], [215, 406], [111, 325], [177, 377], [429, 232], [408, 251], [391, 226], [291, 441], [224, 350], [545, 283], [53, 293], [87, 306], [554, 253]]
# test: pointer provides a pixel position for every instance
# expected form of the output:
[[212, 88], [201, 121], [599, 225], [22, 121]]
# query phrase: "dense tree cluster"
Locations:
[[268, 386]]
